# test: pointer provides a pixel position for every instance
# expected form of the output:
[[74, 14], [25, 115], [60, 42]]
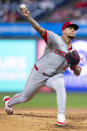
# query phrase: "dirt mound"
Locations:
[[42, 120]]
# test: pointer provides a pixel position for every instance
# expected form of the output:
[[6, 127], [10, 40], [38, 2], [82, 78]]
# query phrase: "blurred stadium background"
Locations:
[[21, 46]]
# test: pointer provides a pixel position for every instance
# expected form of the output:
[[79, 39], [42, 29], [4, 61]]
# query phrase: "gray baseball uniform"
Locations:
[[48, 71]]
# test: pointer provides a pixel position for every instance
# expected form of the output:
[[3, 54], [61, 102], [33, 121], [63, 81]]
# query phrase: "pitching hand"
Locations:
[[25, 12]]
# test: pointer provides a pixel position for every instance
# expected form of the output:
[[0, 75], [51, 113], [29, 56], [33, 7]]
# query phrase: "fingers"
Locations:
[[24, 10]]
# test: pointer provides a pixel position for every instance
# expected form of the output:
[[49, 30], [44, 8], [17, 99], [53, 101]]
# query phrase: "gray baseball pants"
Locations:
[[35, 81]]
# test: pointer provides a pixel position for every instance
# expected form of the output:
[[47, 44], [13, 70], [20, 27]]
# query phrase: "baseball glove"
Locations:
[[73, 59]]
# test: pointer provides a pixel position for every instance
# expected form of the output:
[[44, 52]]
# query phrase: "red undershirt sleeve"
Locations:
[[69, 49], [44, 36]]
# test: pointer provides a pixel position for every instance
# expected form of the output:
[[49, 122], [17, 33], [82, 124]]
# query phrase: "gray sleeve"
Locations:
[[51, 39]]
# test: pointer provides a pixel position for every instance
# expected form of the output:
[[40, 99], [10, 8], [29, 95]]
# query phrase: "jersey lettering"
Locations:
[[59, 52]]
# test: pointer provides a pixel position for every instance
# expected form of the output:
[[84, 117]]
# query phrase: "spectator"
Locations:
[[49, 9]]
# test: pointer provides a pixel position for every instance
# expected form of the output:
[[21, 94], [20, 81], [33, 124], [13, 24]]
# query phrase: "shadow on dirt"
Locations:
[[35, 115], [68, 126]]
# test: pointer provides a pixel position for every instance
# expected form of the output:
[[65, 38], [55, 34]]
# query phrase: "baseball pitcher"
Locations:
[[48, 71]]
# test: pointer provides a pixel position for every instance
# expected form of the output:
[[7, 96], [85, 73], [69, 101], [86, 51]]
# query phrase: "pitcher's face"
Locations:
[[69, 32]]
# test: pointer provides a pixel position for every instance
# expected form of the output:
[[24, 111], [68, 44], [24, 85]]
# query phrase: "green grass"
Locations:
[[74, 100]]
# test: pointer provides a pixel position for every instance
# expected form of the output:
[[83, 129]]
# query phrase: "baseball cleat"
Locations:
[[61, 119], [8, 109], [60, 123]]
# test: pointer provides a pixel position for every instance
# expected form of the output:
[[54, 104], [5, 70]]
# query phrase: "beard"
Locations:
[[71, 37]]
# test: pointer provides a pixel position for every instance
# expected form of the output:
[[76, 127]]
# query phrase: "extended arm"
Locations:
[[34, 24]]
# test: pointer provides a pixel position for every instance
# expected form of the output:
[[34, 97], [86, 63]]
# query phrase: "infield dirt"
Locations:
[[38, 119]]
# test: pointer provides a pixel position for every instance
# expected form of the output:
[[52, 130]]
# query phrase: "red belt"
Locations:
[[43, 72]]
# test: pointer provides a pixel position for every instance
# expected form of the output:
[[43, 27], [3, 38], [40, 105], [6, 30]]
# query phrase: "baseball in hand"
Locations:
[[23, 6]]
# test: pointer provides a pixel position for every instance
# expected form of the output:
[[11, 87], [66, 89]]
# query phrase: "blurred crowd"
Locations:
[[9, 9], [76, 12], [45, 10]]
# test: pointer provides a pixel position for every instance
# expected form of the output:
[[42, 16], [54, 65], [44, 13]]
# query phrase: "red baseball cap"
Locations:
[[70, 24]]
